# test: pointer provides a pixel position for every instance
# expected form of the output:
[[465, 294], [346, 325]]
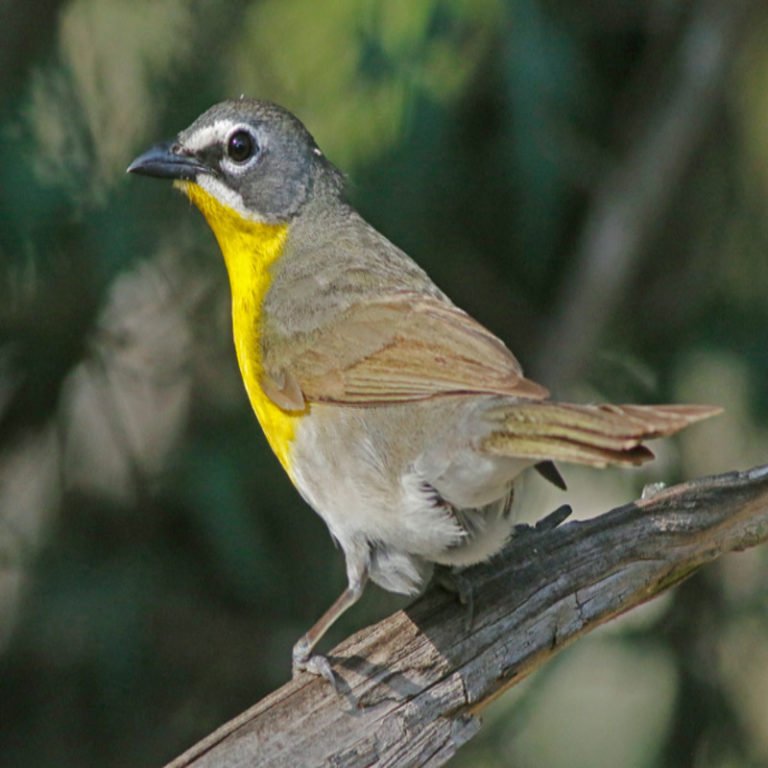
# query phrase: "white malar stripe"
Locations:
[[228, 197]]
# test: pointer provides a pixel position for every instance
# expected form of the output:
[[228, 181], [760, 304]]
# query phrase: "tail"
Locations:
[[596, 435]]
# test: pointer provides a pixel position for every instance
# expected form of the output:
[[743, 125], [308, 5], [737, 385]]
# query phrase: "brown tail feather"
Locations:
[[596, 435]]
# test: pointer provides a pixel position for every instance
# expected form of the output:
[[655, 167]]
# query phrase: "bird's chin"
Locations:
[[183, 185]]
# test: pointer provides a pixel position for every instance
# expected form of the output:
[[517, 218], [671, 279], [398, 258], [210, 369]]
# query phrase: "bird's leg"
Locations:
[[453, 580], [303, 659]]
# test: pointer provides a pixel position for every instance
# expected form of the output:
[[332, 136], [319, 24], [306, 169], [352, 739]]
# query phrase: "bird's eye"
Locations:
[[241, 146]]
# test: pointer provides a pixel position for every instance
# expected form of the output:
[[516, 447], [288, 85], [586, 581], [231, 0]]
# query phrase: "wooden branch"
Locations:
[[414, 684]]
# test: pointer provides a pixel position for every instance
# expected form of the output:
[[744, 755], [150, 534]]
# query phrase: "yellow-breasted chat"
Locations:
[[399, 418]]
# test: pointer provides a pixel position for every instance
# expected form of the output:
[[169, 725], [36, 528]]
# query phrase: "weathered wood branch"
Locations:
[[414, 684]]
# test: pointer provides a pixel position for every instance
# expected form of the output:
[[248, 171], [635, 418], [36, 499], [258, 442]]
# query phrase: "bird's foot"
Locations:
[[305, 661], [547, 523], [652, 489]]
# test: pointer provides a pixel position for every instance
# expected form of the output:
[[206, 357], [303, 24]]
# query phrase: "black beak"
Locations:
[[168, 161]]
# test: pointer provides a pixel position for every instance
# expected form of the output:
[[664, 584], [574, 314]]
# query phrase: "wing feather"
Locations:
[[403, 348]]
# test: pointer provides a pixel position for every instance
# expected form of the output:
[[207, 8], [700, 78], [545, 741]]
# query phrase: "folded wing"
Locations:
[[404, 348]]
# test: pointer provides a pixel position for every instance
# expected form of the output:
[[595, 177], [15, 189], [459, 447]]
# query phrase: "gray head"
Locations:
[[251, 155]]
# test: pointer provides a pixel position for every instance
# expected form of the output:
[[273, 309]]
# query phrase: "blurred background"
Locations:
[[588, 178]]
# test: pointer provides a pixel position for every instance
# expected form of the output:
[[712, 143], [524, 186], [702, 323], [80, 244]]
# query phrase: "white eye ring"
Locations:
[[241, 150]]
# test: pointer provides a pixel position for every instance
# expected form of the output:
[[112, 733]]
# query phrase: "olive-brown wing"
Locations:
[[396, 350]]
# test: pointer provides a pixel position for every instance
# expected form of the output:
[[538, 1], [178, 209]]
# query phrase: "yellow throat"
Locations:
[[250, 248]]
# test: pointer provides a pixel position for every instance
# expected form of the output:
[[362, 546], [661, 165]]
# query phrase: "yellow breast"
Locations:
[[250, 248]]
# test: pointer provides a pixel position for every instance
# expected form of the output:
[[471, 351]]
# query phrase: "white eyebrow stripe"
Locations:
[[211, 134]]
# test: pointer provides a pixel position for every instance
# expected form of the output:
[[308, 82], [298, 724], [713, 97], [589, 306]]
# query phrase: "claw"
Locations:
[[553, 519], [315, 665], [547, 523], [303, 658], [652, 489]]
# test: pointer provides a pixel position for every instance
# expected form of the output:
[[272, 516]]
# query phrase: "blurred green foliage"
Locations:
[[155, 564]]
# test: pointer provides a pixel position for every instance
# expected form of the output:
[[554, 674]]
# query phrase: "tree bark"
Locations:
[[412, 687]]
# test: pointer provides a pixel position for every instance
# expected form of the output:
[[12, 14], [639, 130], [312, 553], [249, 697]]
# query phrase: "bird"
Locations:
[[400, 419]]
